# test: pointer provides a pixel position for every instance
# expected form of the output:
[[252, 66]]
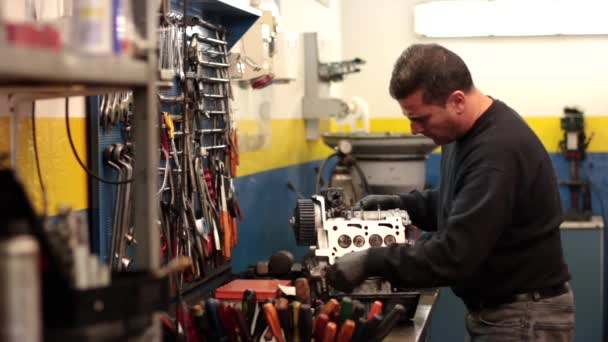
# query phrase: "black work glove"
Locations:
[[382, 202], [348, 271]]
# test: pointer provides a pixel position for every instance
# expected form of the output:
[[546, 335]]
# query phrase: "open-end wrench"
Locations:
[[108, 155], [119, 158]]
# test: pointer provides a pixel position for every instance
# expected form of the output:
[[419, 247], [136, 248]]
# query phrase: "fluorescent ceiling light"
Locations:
[[483, 18]]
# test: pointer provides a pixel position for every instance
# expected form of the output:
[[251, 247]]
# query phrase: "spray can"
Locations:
[[20, 292], [92, 28]]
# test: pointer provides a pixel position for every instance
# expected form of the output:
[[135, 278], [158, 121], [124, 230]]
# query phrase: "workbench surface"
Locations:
[[417, 329]]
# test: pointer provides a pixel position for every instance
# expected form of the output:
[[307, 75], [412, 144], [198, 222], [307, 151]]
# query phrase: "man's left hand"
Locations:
[[348, 271]]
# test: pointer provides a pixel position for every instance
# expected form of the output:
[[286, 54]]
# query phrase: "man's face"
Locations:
[[436, 122]]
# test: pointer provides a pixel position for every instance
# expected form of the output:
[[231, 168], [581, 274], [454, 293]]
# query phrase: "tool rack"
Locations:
[[194, 145]]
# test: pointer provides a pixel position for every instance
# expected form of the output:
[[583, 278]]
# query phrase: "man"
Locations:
[[495, 215]]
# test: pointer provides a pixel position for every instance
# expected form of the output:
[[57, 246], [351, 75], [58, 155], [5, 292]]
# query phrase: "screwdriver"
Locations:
[[346, 331], [260, 323], [248, 305], [330, 307], [302, 290], [305, 323], [212, 309], [389, 321], [320, 324], [370, 328], [244, 328], [272, 318], [330, 332], [359, 329], [228, 321], [375, 309], [358, 311], [285, 319], [346, 309], [294, 308]]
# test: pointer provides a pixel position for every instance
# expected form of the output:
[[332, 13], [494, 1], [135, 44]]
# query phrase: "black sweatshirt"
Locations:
[[496, 215]]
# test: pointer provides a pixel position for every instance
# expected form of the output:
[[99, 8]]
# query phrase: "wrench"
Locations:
[[119, 158], [108, 155]]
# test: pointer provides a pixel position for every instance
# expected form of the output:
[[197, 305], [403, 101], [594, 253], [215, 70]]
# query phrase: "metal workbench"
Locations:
[[417, 330]]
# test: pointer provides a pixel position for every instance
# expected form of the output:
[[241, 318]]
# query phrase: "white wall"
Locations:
[[535, 75], [285, 100]]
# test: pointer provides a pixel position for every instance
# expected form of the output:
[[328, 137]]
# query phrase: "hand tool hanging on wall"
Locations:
[[199, 151]]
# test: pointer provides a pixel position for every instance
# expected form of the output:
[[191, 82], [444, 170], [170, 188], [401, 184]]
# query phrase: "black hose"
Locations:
[[84, 167], [42, 187], [318, 182]]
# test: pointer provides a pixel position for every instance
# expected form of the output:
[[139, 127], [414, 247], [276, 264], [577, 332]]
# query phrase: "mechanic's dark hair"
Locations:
[[432, 68]]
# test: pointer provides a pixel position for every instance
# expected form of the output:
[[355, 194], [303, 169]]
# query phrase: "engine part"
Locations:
[[280, 263], [332, 229]]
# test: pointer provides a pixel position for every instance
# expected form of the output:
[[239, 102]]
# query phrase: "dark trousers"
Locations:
[[548, 319]]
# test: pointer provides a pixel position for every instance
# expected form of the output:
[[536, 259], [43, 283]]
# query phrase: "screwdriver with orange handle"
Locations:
[[272, 318], [225, 219], [330, 307], [376, 309], [346, 331], [330, 332]]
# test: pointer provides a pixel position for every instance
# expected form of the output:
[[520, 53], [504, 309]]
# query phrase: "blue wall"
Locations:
[[267, 204]]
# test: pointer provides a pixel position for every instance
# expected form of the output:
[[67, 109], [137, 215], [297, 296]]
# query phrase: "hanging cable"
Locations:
[[318, 182], [366, 187], [84, 167], [36, 156]]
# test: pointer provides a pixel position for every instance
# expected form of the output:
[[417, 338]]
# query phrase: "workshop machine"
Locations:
[[332, 229], [574, 148], [375, 163]]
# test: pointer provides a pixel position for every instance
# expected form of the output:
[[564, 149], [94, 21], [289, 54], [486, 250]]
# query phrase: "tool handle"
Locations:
[[358, 311], [330, 332], [320, 325], [243, 327], [302, 290], [346, 309], [294, 308], [260, 325], [370, 328], [248, 305], [346, 331], [376, 309], [359, 329], [272, 318], [389, 322], [212, 309], [331, 306], [285, 319], [305, 323]]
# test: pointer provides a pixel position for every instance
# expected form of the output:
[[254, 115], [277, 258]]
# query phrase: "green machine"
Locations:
[[574, 148]]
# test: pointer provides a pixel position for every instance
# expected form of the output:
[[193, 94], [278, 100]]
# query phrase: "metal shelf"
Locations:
[[231, 14], [34, 67]]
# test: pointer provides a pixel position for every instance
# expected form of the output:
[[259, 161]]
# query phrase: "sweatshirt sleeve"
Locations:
[[422, 208], [481, 209]]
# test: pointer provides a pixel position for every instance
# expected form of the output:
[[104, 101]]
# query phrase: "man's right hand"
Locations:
[[382, 202]]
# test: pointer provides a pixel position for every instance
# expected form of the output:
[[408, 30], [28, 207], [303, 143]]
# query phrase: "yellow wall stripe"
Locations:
[[546, 127], [284, 145], [65, 181], [287, 144]]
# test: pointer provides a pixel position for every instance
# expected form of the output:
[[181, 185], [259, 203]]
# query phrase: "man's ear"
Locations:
[[456, 101]]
